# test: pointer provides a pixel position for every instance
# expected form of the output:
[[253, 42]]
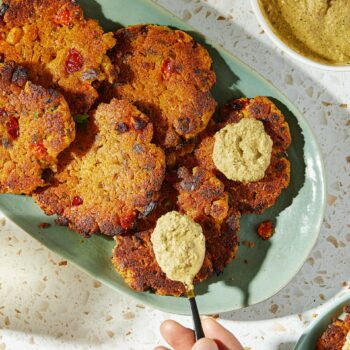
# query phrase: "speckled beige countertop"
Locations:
[[46, 303]]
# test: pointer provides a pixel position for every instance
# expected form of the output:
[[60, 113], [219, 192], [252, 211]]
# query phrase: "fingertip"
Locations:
[[214, 330], [164, 326], [168, 326], [176, 335], [205, 344], [160, 348], [209, 322]]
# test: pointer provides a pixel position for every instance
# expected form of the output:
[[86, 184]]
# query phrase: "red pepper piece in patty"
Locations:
[[127, 222], [13, 128], [63, 17], [77, 201], [74, 62]]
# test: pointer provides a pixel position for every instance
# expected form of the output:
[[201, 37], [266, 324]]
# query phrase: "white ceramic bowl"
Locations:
[[265, 25]]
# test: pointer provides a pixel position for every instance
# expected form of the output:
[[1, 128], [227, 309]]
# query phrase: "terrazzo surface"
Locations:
[[45, 303]]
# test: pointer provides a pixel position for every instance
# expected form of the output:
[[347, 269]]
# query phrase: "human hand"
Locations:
[[181, 338]]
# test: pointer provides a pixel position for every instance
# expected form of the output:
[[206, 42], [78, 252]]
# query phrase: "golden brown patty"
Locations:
[[253, 197], [111, 174], [133, 256], [260, 108], [201, 194], [335, 335], [58, 46], [35, 126], [134, 259], [169, 77]]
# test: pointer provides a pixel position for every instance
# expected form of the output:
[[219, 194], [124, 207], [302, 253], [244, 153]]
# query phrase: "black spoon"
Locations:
[[195, 315]]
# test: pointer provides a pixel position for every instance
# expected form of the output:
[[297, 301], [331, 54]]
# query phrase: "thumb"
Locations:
[[205, 344]]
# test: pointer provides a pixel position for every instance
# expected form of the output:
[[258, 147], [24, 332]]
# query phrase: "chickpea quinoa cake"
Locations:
[[133, 256], [202, 197], [35, 127], [110, 176], [134, 259], [58, 46], [200, 194], [255, 196], [169, 77], [337, 334]]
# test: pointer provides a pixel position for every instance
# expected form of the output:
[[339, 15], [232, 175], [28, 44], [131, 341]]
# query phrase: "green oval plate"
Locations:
[[309, 339], [257, 273]]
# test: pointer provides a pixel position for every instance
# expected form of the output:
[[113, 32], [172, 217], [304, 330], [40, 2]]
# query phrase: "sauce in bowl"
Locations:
[[317, 29]]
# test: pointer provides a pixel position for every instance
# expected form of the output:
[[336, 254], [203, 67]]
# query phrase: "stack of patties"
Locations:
[[197, 188], [110, 178], [143, 142], [112, 172], [168, 75], [51, 55]]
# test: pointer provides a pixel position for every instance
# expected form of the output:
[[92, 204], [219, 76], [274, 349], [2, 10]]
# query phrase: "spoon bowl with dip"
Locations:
[[179, 247]]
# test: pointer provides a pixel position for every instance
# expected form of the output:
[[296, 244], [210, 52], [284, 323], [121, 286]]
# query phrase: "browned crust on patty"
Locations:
[[202, 197], [201, 194], [112, 168], [134, 259], [263, 109], [335, 335], [35, 127], [252, 197], [133, 256], [167, 75], [256, 197], [41, 34]]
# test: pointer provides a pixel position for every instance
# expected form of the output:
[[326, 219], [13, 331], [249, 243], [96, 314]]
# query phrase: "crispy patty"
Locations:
[[253, 197], [335, 335], [134, 259], [110, 176], [260, 108], [168, 76], [58, 46], [200, 196], [35, 127]]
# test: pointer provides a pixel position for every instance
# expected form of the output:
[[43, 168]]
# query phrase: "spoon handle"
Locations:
[[196, 319]]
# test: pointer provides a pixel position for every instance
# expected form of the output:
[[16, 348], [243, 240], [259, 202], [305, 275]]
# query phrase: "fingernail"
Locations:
[[205, 344]]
